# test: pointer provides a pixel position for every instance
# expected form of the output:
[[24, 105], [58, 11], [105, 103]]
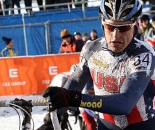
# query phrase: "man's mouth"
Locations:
[[116, 43]]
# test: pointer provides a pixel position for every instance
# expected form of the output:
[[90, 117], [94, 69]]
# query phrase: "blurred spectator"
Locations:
[[77, 35], [17, 3], [1, 12], [40, 3], [9, 50], [153, 22], [28, 3], [152, 2], [152, 8], [69, 44], [80, 5], [93, 35], [144, 27], [85, 37], [63, 1], [7, 5], [151, 34], [49, 2]]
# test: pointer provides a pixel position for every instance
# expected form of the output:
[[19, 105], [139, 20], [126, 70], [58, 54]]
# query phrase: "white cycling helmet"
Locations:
[[120, 10]]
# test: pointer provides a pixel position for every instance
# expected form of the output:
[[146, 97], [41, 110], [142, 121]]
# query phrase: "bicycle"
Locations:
[[36, 102]]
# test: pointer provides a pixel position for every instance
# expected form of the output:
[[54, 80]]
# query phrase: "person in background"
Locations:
[[93, 35], [77, 35], [151, 34], [69, 44], [9, 50], [1, 12], [80, 4], [153, 21], [28, 3], [7, 5], [144, 27], [63, 6], [40, 3], [50, 2], [85, 37], [17, 3], [78, 39]]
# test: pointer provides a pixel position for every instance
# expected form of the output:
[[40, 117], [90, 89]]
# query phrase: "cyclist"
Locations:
[[122, 69]]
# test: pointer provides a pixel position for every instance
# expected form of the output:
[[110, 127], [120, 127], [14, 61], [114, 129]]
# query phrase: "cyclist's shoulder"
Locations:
[[93, 46], [98, 41], [143, 47], [142, 56]]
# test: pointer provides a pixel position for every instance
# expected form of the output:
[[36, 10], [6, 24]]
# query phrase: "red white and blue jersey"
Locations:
[[124, 82]]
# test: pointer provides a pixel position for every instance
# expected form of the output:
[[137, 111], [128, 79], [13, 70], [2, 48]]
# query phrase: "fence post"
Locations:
[[25, 38], [83, 9], [69, 9], [47, 37]]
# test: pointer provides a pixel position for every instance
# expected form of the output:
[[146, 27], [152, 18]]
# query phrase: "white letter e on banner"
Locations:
[[13, 73], [53, 70]]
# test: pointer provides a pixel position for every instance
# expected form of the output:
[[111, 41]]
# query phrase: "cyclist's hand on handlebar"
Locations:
[[60, 97]]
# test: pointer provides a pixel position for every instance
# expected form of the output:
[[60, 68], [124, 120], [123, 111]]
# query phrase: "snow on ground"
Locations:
[[9, 119]]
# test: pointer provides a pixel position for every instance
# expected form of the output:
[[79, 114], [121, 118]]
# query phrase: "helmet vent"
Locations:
[[121, 10]]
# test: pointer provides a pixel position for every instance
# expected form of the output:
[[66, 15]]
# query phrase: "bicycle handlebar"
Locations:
[[34, 102]]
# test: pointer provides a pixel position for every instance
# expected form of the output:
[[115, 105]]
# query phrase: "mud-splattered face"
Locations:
[[118, 34]]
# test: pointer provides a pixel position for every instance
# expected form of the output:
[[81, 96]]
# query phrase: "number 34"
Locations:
[[139, 60]]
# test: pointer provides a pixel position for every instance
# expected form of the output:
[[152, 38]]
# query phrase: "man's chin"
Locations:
[[116, 50]]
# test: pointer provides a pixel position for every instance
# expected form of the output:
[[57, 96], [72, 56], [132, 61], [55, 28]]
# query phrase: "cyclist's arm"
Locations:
[[78, 80], [81, 75], [122, 103]]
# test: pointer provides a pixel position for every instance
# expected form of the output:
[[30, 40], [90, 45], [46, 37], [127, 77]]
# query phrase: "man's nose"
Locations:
[[116, 33]]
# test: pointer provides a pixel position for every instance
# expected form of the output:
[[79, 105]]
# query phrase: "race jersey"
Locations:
[[124, 82]]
